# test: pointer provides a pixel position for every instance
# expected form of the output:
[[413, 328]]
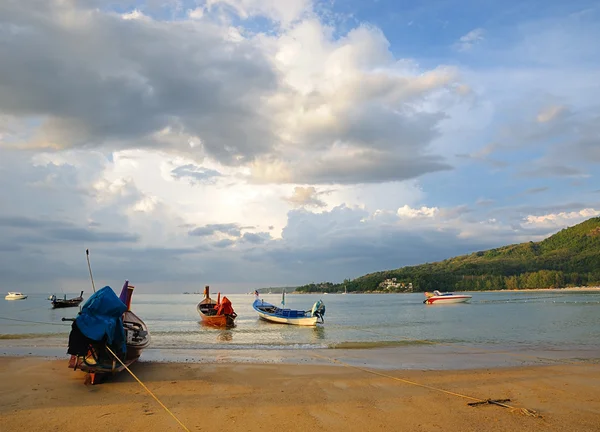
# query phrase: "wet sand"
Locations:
[[44, 395]]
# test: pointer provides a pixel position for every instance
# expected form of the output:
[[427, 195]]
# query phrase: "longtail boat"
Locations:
[[268, 312], [218, 313], [65, 303], [106, 323]]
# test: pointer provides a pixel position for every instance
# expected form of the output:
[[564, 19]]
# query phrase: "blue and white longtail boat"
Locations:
[[272, 313]]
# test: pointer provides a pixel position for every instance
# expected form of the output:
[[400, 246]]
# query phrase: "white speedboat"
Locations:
[[445, 298], [15, 296]]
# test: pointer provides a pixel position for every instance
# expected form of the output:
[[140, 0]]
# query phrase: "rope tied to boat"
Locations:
[[477, 401], [33, 322], [148, 390]]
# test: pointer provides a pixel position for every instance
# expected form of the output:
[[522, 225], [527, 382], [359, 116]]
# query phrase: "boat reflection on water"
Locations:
[[225, 336], [319, 332]]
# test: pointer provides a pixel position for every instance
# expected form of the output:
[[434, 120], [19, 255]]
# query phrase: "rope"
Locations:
[[524, 411], [148, 390], [34, 322]]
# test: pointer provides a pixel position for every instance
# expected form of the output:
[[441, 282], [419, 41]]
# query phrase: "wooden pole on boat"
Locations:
[[87, 254]]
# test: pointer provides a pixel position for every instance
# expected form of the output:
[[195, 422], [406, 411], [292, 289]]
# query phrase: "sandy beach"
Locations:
[[44, 395]]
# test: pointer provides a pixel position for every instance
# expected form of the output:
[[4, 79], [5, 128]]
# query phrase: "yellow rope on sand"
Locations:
[[524, 411], [149, 392]]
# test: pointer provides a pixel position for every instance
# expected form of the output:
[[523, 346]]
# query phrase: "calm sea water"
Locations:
[[532, 320]]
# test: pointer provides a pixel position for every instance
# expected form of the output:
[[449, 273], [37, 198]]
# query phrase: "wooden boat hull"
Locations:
[[309, 321], [58, 304], [99, 362], [208, 314], [218, 320]]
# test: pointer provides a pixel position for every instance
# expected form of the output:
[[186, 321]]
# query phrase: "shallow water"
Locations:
[[502, 320]]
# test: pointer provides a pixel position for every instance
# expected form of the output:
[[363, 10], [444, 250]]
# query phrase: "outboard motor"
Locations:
[[318, 310]]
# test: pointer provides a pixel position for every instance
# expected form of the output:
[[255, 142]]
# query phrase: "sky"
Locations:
[[247, 143]]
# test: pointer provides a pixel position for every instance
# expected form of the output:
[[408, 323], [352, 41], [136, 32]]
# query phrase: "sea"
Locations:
[[376, 330]]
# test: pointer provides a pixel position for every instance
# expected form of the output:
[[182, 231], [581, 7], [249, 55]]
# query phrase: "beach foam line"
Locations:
[[18, 336], [380, 344]]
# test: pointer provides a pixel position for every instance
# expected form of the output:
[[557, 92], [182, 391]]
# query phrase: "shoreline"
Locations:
[[45, 395], [569, 289], [433, 357]]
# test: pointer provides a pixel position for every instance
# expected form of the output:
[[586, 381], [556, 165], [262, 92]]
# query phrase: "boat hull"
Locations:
[[132, 324], [59, 304], [23, 297], [309, 321], [447, 299], [217, 320], [227, 320]]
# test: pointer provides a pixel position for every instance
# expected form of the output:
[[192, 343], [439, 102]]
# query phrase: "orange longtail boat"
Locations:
[[218, 313]]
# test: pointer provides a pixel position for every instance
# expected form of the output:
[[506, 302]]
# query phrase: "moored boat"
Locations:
[[15, 296], [106, 323], [274, 314], [65, 303], [218, 313], [445, 298]]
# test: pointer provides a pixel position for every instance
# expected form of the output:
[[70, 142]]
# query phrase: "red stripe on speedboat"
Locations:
[[431, 300]]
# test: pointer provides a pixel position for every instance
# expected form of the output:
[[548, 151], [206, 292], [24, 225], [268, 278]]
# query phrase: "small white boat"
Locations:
[[445, 298], [15, 296]]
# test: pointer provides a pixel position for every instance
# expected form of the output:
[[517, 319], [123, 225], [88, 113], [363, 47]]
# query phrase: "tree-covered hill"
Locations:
[[570, 257]]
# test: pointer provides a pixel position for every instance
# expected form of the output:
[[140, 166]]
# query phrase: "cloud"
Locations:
[[536, 190], [469, 40], [195, 173], [24, 229], [586, 146], [412, 213], [484, 202], [223, 243], [119, 93], [562, 219], [342, 108], [284, 12], [196, 13], [230, 229], [454, 212], [483, 155], [174, 141], [553, 171], [349, 167], [550, 113], [25, 222], [256, 238], [87, 235], [306, 196]]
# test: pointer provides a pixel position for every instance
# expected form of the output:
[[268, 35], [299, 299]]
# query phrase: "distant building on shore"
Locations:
[[393, 284]]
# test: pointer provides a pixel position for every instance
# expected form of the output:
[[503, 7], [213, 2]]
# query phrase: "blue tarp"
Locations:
[[101, 318]]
